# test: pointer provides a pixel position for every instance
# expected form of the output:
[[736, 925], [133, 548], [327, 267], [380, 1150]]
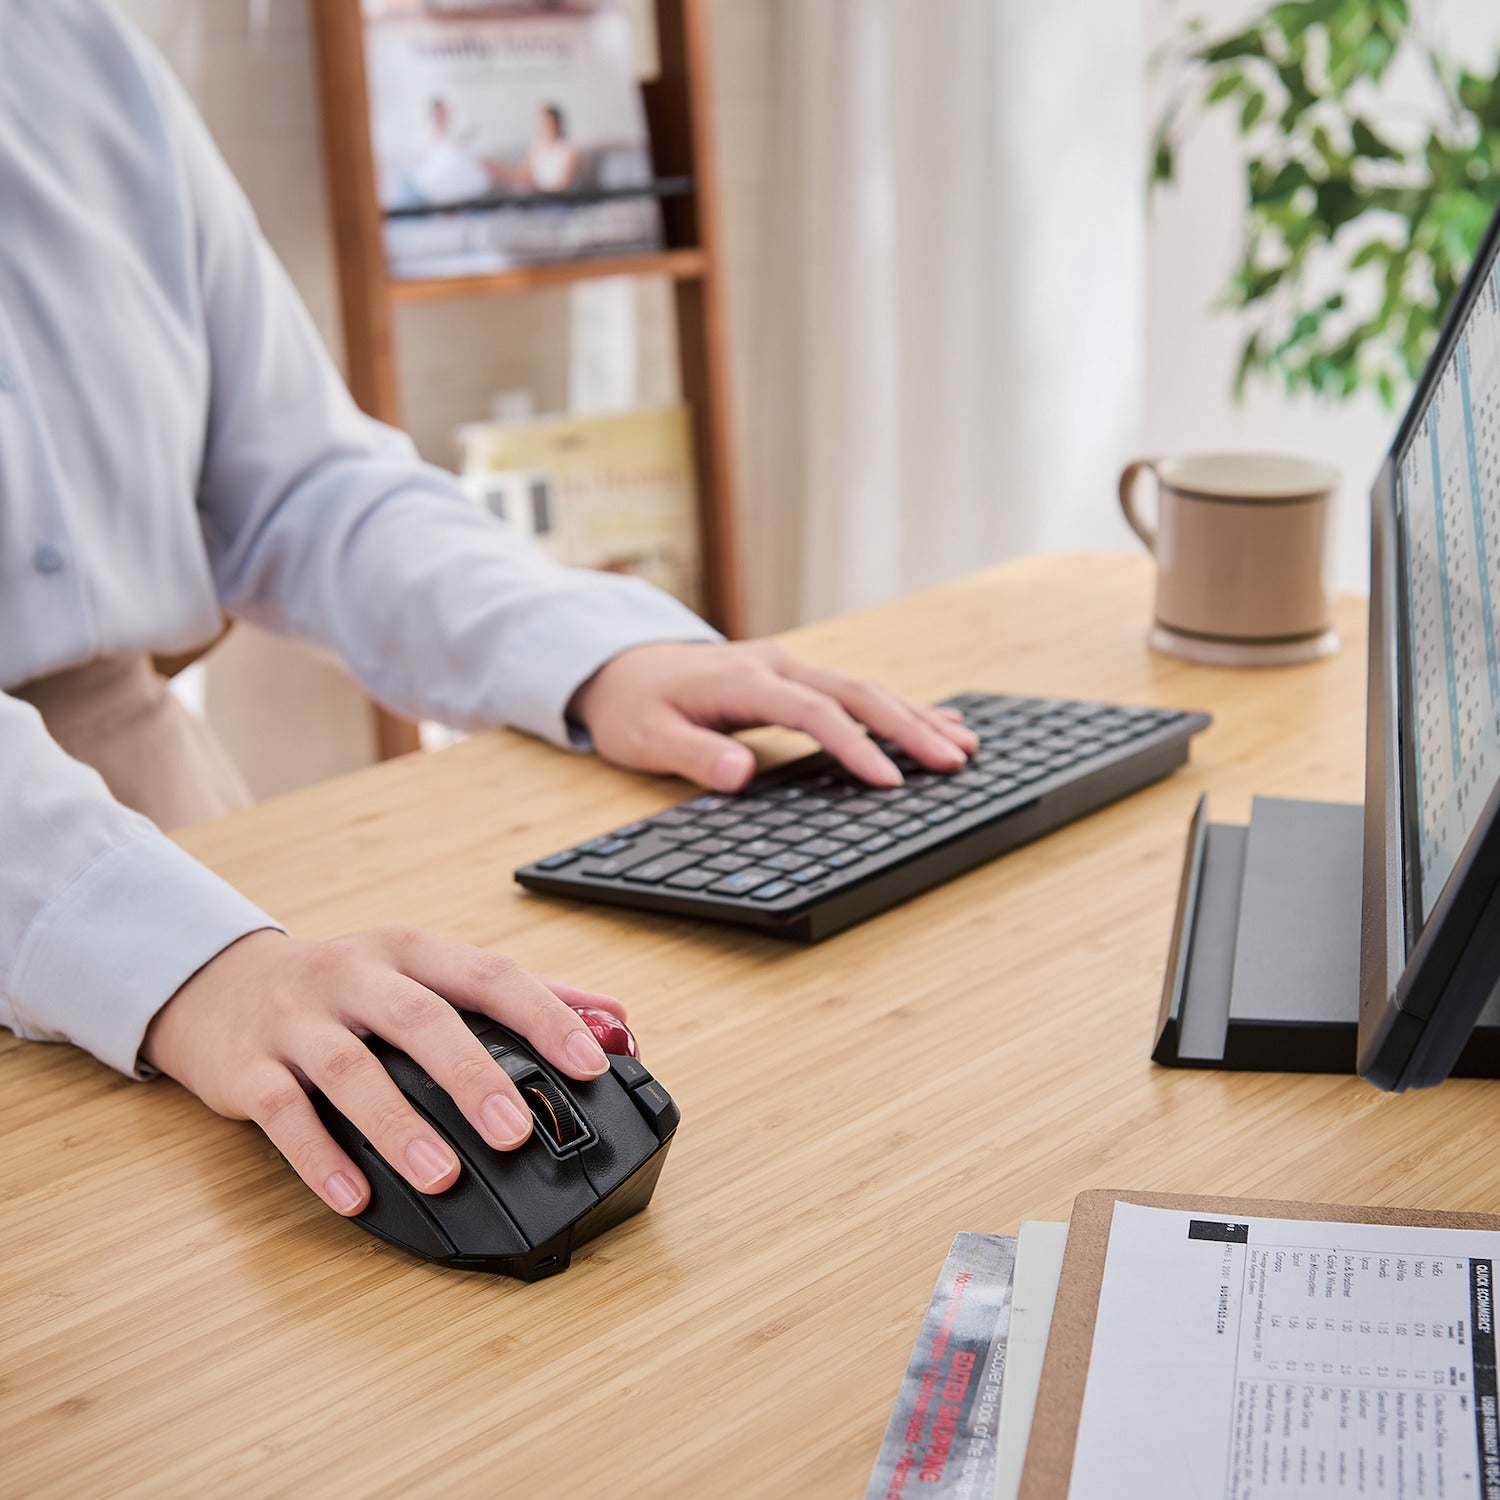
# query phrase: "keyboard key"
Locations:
[[710, 846], [557, 861], [876, 844], [759, 848], [692, 880], [788, 863], [911, 828], [674, 817], [972, 800], [727, 864], [706, 804], [810, 874], [819, 847], [773, 890], [654, 871], [612, 846], [793, 833], [721, 820], [602, 869], [887, 817], [742, 882], [778, 819], [940, 814], [737, 833]]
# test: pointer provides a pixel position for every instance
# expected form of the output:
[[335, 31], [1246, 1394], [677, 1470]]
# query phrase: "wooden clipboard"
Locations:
[[1059, 1401]]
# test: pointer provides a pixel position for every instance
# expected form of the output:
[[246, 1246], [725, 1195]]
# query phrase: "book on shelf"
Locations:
[[507, 133], [614, 492]]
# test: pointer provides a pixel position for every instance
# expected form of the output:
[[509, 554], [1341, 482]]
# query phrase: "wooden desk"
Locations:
[[181, 1317]]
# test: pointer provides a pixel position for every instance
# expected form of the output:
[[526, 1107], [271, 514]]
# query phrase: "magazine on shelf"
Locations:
[[613, 492], [507, 134]]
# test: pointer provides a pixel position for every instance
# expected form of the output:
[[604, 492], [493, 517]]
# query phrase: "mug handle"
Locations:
[[1138, 523]]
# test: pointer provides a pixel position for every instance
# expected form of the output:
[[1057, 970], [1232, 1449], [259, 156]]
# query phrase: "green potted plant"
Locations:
[[1362, 214]]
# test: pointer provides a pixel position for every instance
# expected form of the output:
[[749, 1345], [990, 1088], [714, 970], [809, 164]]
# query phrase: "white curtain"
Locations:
[[949, 369]]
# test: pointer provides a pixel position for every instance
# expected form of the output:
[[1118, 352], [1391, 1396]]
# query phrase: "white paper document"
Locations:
[[1039, 1257], [1277, 1357]]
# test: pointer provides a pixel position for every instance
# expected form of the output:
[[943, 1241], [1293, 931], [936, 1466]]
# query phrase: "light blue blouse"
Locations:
[[174, 442]]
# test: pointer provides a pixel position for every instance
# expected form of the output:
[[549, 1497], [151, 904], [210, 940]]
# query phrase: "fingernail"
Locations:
[[734, 764], [966, 736], [888, 773], [507, 1123], [585, 1054], [429, 1161], [343, 1192]]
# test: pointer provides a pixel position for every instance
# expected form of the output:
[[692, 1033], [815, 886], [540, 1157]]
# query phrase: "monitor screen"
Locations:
[[1430, 928], [1449, 506]]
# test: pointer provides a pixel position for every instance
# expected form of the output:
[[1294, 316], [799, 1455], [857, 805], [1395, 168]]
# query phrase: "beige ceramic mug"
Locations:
[[1242, 543]]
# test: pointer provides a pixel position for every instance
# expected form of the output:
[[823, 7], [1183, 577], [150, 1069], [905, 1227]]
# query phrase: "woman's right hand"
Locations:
[[271, 1015]]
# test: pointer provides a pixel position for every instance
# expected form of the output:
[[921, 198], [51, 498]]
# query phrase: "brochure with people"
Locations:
[[506, 134]]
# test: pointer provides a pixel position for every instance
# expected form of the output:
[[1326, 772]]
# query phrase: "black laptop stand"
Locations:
[[1263, 969]]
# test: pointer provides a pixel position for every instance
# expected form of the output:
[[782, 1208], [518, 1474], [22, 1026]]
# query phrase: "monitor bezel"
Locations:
[[1422, 984]]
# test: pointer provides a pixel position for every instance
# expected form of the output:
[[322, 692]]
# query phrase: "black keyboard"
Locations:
[[807, 850]]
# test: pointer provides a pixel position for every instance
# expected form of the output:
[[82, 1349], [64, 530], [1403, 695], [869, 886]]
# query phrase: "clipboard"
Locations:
[[1059, 1402]]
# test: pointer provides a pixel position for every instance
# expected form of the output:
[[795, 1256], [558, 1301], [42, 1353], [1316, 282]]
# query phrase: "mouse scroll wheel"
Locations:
[[553, 1110]]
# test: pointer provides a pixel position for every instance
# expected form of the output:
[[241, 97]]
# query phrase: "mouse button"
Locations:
[[393, 1213], [661, 1113], [408, 1074], [541, 1193], [475, 1218], [625, 1139], [496, 1037], [631, 1071], [518, 1065]]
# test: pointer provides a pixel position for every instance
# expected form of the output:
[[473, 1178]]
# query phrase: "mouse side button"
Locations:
[[631, 1071], [656, 1104]]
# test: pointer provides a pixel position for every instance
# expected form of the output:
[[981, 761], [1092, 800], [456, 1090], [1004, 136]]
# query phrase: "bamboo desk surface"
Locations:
[[179, 1316]]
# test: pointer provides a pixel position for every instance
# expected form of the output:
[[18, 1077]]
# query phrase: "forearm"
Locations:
[[102, 917], [438, 609]]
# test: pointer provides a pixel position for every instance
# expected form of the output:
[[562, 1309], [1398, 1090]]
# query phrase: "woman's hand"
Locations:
[[270, 1015], [661, 707]]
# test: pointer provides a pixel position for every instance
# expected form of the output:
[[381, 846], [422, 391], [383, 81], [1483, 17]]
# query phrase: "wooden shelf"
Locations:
[[677, 265], [678, 114]]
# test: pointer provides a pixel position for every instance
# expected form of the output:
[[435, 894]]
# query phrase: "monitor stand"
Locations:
[[1263, 970]]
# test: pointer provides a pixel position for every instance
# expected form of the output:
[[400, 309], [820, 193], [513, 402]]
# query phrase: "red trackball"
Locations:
[[609, 1031]]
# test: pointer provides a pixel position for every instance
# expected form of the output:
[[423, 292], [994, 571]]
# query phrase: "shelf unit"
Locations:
[[678, 114]]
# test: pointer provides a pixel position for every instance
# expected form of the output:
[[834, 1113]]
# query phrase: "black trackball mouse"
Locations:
[[591, 1160]]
